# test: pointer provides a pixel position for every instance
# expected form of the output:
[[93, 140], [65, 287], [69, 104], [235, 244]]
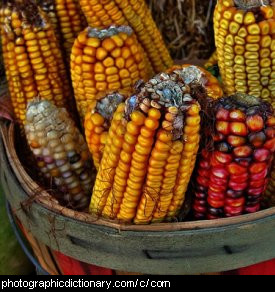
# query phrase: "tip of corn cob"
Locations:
[[250, 4], [109, 32]]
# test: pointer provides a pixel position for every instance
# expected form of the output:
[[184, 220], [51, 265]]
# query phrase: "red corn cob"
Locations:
[[232, 178]]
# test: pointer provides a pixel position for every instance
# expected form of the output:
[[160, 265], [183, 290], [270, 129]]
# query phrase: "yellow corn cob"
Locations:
[[33, 61], [97, 122], [61, 152], [67, 19], [151, 148], [136, 14], [245, 44], [105, 60]]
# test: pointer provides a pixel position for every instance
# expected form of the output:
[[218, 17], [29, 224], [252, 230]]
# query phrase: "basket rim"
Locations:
[[47, 201]]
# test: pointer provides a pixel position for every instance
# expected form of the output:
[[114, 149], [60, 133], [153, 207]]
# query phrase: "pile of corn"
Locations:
[[61, 152], [136, 14], [105, 60], [232, 178], [33, 60], [143, 136], [67, 19], [151, 149], [244, 35]]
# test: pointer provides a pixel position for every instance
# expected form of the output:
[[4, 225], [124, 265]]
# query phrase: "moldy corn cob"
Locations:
[[210, 83], [244, 36], [136, 14], [232, 178], [105, 60], [33, 60], [61, 152], [67, 19], [97, 123], [151, 150]]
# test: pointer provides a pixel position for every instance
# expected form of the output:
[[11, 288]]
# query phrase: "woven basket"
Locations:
[[167, 248]]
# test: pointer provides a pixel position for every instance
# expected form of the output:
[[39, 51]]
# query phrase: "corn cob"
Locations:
[[151, 149], [232, 178], [67, 19], [61, 152], [245, 44], [105, 60], [136, 14], [33, 61], [97, 122]]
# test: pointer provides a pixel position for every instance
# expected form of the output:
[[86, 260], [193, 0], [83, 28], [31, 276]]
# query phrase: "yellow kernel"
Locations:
[[90, 51], [138, 118], [124, 73], [116, 53], [108, 45], [249, 18], [254, 29], [254, 39], [114, 86], [120, 63], [118, 41], [101, 86], [239, 16], [99, 68], [126, 53], [108, 62], [93, 42], [266, 41], [111, 71]]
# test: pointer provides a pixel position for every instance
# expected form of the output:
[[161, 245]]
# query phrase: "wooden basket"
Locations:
[[167, 248]]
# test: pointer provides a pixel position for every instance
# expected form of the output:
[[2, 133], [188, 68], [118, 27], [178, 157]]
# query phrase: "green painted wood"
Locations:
[[152, 252]]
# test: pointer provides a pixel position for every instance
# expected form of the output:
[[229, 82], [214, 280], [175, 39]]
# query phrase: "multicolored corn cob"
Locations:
[[33, 61], [244, 35], [232, 178], [151, 150], [136, 14], [97, 123], [67, 19], [105, 60], [61, 152]]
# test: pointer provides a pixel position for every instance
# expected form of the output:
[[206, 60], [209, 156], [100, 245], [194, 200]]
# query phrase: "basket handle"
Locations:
[[193, 253], [167, 254]]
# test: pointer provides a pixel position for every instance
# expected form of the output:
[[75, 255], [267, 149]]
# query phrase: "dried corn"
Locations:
[[61, 152], [67, 19], [151, 150], [33, 61], [105, 60], [244, 35], [232, 178], [97, 122], [136, 14]]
